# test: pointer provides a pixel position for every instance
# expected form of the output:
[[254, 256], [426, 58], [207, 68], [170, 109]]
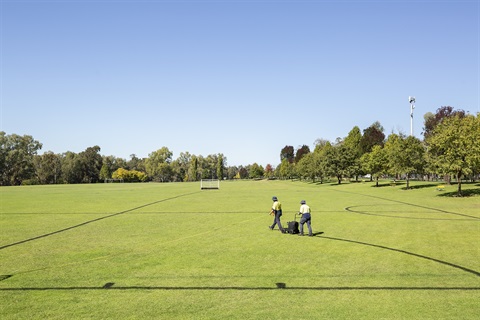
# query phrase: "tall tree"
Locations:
[[221, 162], [301, 152], [353, 143], [432, 121], [269, 171], [48, 167], [91, 161], [372, 136], [454, 145], [71, 168], [135, 163], [288, 154], [256, 171], [109, 165], [338, 161], [193, 169], [305, 167], [405, 155], [158, 164], [375, 163], [16, 158], [285, 169], [180, 166]]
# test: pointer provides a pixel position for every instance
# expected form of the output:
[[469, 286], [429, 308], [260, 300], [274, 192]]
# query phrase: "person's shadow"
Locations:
[[317, 233]]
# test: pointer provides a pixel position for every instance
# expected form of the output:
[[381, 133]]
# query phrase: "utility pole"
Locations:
[[412, 106]]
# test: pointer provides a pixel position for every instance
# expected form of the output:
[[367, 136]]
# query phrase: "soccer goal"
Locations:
[[209, 184]]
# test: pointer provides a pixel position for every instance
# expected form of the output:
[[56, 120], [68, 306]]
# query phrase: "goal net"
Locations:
[[209, 184]]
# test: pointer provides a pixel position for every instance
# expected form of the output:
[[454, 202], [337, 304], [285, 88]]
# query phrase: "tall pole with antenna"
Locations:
[[412, 106]]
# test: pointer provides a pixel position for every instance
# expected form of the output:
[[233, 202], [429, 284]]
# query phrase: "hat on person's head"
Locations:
[[274, 198], [303, 202]]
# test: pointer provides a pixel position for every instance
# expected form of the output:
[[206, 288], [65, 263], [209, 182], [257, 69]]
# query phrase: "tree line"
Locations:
[[450, 147]]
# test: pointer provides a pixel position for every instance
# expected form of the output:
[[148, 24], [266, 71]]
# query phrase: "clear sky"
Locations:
[[242, 78]]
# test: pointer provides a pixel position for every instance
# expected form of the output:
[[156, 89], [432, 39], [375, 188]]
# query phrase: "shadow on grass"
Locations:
[[420, 186], [389, 184], [278, 286], [465, 193]]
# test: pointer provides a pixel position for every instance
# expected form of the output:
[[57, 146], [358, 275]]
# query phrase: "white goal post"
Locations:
[[209, 184]]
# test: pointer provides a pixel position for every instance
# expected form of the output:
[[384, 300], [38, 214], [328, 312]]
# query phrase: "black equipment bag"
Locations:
[[293, 226]]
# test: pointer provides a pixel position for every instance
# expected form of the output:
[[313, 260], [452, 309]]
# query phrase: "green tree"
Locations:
[[180, 167], [285, 169], [208, 166], [353, 143], [71, 168], [433, 120], [135, 163], [157, 165], [375, 163], [405, 155], [193, 169], [16, 158], [338, 161], [454, 146], [242, 173], [221, 162], [105, 172], [91, 162], [48, 167], [305, 167], [256, 171], [301, 152], [110, 164]]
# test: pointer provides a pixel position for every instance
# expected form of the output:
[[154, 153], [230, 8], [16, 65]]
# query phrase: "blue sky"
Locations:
[[242, 78]]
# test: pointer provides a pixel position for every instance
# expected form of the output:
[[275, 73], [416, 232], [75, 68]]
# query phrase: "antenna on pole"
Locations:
[[412, 106]]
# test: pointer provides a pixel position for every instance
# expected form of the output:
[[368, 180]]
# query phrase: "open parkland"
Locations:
[[174, 251]]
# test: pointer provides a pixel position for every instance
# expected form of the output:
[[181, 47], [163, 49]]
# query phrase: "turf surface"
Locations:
[[172, 251]]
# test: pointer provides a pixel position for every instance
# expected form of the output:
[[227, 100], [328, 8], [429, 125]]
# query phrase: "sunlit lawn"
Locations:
[[173, 251]]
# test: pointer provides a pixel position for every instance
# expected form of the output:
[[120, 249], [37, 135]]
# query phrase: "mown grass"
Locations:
[[172, 251]]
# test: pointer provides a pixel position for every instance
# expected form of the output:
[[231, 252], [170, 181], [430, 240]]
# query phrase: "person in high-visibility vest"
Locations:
[[276, 213], [306, 217]]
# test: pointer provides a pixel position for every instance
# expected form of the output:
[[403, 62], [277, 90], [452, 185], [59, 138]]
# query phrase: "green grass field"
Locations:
[[172, 251]]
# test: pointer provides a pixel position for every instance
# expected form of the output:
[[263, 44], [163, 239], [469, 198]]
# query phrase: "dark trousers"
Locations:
[[308, 219], [276, 220]]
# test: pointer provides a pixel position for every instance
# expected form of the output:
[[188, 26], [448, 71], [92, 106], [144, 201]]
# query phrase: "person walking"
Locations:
[[277, 213], [306, 218]]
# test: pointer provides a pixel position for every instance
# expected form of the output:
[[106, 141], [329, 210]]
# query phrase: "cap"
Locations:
[[303, 202], [274, 198]]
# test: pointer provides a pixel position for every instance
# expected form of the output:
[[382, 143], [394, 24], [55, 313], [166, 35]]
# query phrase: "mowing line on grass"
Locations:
[[350, 209], [122, 253], [476, 273], [93, 220], [410, 204]]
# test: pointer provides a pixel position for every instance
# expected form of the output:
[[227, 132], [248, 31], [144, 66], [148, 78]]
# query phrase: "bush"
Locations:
[[130, 175]]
